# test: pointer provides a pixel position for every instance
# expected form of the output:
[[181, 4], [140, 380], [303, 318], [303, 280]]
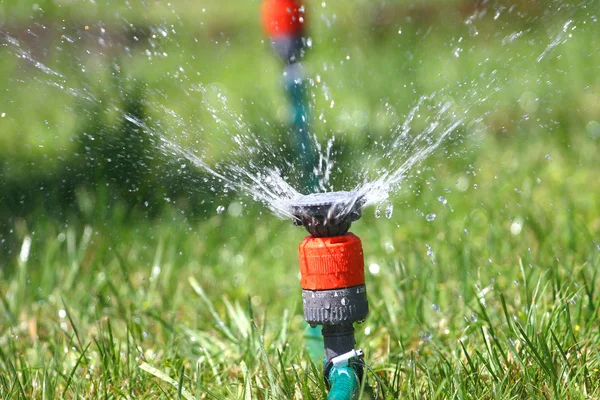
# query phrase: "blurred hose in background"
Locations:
[[284, 21]]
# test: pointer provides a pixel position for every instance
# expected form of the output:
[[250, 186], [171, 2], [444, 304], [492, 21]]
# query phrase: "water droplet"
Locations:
[[430, 217], [462, 183], [516, 227], [473, 317], [344, 301], [426, 336], [374, 269], [442, 200], [430, 253], [435, 307], [389, 210], [593, 129], [378, 212], [25, 249], [220, 209], [235, 209]]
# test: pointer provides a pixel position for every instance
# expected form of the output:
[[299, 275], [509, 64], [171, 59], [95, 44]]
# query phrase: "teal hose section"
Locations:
[[314, 343], [296, 90], [344, 383]]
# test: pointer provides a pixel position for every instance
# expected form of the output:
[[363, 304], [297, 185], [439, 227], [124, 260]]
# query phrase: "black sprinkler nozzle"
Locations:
[[327, 214]]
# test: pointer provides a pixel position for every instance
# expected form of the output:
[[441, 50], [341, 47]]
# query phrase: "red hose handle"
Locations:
[[283, 17]]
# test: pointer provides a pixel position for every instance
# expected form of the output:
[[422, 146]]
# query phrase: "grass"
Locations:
[[482, 284], [497, 297]]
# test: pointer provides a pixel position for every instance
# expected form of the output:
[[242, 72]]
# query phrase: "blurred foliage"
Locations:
[[83, 78]]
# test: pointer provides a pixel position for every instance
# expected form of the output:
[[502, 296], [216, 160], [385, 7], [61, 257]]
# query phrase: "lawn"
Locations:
[[126, 282]]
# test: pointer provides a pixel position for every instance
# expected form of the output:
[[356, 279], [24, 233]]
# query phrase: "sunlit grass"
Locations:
[[482, 284], [494, 298]]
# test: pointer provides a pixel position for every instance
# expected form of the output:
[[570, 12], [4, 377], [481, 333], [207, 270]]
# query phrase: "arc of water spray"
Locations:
[[265, 195], [557, 40], [377, 191]]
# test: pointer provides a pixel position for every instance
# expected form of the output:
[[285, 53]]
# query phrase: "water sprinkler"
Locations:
[[327, 214], [331, 259], [334, 294]]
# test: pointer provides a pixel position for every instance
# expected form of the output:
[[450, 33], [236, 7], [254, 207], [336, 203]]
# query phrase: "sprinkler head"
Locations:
[[327, 214]]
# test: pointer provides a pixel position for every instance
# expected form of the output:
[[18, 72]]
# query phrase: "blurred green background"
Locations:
[[73, 68], [112, 225]]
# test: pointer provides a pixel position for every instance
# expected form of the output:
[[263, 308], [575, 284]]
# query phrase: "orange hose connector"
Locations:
[[283, 17], [331, 262]]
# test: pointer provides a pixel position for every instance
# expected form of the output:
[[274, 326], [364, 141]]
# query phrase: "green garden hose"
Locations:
[[344, 383], [295, 88]]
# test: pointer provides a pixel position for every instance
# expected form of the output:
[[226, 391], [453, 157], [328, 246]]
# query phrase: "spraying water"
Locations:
[[451, 108]]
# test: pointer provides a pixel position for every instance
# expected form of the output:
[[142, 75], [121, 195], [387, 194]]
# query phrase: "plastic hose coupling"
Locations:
[[283, 17], [333, 280], [283, 21], [332, 270]]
